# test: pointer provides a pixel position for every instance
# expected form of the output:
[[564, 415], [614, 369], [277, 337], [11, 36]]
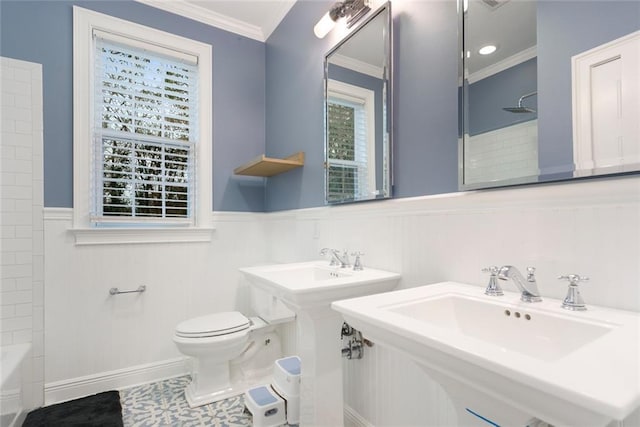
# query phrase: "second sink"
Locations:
[[308, 288], [316, 283]]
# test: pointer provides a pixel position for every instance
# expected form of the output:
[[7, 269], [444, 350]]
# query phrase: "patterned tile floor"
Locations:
[[163, 404]]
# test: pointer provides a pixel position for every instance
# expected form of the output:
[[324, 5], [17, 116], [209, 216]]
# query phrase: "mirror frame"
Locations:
[[387, 101], [463, 117]]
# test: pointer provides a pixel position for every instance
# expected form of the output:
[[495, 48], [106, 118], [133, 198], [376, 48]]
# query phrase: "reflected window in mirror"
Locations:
[[357, 113], [351, 149]]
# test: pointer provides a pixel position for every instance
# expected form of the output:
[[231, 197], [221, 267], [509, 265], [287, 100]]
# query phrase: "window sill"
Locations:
[[127, 236]]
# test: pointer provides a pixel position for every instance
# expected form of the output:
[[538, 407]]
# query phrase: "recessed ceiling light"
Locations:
[[487, 50]]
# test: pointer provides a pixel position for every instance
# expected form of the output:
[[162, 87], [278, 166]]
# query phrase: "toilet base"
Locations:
[[236, 388], [214, 378]]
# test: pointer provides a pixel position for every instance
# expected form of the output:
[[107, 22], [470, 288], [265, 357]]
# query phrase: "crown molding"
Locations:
[[358, 66], [506, 63], [209, 17]]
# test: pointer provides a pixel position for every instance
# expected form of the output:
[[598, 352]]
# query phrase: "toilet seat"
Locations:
[[213, 325]]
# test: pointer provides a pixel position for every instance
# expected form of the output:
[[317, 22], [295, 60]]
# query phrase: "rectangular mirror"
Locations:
[[550, 90], [357, 113]]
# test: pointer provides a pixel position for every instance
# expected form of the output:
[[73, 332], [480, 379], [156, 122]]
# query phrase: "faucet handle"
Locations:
[[345, 259], [573, 301], [493, 288], [531, 271], [574, 279], [494, 269], [357, 264]]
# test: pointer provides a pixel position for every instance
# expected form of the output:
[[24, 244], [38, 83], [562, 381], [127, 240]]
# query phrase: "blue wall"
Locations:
[[488, 96], [41, 31], [270, 95], [566, 28], [425, 101]]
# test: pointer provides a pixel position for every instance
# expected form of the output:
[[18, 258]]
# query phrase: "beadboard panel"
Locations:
[[590, 227], [586, 227], [387, 388], [89, 333]]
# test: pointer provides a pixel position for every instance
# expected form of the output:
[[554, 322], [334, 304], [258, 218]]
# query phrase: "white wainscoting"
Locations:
[[587, 227], [94, 340]]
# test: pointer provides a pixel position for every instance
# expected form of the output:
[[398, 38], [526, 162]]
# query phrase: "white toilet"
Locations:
[[232, 353]]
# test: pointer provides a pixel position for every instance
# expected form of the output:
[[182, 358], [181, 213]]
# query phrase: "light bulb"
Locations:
[[487, 50], [324, 25]]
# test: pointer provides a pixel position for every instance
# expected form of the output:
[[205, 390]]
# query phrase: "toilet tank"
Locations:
[[269, 308]]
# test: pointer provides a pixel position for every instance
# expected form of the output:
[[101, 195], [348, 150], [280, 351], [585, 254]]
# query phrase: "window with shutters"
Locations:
[[350, 142], [145, 132], [142, 133]]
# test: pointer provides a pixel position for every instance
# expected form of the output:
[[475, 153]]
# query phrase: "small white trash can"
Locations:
[[286, 382], [266, 407]]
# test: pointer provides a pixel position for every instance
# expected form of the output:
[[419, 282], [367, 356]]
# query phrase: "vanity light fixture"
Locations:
[[487, 50], [351, 10]]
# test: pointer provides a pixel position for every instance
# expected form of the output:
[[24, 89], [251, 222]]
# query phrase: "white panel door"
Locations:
[[606, 105]]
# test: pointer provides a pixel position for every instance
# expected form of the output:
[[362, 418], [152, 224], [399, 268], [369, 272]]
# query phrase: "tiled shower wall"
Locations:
[[21, 224], [502, 154]]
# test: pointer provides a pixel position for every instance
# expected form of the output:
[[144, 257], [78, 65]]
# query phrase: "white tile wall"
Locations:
[[21, 227], [510, 152]]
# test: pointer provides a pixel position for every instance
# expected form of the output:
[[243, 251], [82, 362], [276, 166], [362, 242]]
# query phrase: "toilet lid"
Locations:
[[213, 325]]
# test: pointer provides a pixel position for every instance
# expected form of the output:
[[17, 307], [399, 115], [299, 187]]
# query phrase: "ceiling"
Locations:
[[510, 26], [255, 19]]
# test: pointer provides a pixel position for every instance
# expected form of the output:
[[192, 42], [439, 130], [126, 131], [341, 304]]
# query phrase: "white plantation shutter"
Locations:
[[348, 175], [145, 131]]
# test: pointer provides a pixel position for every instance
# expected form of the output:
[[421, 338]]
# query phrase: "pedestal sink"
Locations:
[[507, 361], [308, 289]]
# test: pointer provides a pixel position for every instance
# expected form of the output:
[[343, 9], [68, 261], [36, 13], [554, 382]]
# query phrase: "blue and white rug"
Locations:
[[163, 404]]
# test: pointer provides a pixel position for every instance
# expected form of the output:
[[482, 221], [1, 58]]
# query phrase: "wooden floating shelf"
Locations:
[[269, 166]]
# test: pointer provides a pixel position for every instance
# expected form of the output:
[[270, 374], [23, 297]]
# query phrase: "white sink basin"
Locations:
[[535, 334], [297, 274], [309, 288], [316, 283], [566, 368]]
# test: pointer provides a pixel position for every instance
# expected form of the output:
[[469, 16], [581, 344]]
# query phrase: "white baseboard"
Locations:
[[354, 419], [62, 391], [19, 418]]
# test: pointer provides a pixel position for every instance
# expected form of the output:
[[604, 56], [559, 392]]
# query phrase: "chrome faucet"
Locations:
[[528, 286], [336, 259]]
